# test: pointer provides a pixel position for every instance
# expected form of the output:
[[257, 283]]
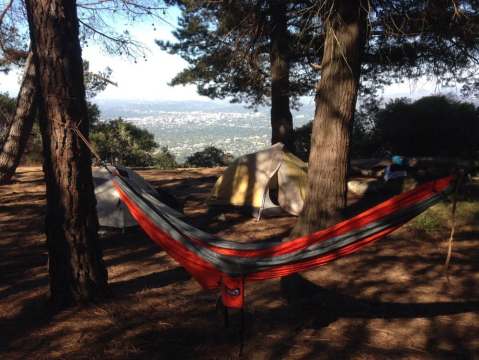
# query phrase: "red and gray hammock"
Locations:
[[218, 263]]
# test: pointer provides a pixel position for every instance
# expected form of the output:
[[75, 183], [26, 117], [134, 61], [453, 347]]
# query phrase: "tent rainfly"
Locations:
[[111, 211], [263, 183]]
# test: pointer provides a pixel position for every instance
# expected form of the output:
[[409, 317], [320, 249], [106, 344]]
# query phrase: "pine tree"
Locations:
[[76, 269], [247, 51], [378, 42]]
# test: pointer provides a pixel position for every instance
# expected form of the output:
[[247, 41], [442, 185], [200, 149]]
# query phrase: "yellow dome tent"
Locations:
[[264, 183]]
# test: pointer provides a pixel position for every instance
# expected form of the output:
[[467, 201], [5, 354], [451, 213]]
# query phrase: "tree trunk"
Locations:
[[337, 90], [281, 118], [21, 126], [77, 272]]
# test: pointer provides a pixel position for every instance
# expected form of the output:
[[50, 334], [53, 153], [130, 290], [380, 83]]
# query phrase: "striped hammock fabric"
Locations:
[[218, 263]]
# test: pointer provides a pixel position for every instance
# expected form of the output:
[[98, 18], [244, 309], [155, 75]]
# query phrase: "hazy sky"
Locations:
[[148, 80], [141, 80]]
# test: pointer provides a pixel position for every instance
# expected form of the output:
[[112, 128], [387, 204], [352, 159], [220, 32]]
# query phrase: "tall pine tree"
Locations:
[[76, 269], [378, 42], [247, 51]]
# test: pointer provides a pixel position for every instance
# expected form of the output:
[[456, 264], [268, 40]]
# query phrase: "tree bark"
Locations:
[[76, 270], [281, 118], [21, 126], [337, 90]]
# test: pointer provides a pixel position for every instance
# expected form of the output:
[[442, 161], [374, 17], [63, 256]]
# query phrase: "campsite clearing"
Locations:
[[390, 300]]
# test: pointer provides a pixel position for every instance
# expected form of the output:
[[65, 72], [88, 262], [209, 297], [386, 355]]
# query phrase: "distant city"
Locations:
[[187, 127]]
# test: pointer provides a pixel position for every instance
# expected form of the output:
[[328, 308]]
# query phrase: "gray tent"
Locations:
[[111, 210]]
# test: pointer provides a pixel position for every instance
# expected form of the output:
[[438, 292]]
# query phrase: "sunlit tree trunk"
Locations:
[[77, 272], [345, 29], [21, 126]]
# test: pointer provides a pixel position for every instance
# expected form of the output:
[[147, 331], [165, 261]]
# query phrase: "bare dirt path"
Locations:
[[391, 300]]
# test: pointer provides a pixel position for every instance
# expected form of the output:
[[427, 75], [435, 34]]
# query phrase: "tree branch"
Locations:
[[5, 10]]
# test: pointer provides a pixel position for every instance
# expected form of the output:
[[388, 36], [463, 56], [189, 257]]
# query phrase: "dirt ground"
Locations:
[[391, 300]]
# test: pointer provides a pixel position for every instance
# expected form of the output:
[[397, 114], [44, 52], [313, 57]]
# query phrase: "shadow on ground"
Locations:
[[392, 300]]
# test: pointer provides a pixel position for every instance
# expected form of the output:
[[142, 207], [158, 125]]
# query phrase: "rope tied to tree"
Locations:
[[453, 223], [89, 146]]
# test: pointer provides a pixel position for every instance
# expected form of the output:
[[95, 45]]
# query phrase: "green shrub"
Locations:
[[120, 142], [164, 159], [208, 157]]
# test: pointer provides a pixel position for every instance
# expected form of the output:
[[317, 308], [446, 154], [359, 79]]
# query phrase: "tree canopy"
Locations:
[[430, 126], [210, 156], [438, 126], [120, 142], [432, 39], [226, 46], [95, 25]]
